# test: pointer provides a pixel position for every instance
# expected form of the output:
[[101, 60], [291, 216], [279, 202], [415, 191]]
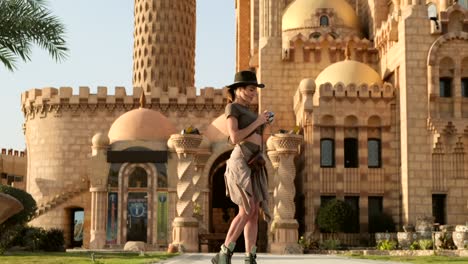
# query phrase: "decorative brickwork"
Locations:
[[164, 44]]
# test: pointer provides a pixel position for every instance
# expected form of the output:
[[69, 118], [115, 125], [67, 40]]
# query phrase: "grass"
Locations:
[[416, 259], [82, 257]]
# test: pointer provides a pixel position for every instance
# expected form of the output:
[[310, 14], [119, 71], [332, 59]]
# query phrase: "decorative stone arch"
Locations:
[[218, 151], [374, 127], [433, 51], [456, 7], [433, 61], [124, 173]]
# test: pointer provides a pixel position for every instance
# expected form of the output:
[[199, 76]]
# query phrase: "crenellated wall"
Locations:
[[59, 125], [13, 168]]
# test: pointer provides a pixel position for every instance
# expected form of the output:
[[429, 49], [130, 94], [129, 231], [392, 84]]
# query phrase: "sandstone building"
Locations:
[[379, 89]]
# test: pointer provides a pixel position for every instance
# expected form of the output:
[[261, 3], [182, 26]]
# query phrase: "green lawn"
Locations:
[[417, 260], [82, 257]]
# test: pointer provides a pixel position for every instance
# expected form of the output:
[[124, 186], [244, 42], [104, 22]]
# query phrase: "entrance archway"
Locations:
[[222, 209], [76, 220]]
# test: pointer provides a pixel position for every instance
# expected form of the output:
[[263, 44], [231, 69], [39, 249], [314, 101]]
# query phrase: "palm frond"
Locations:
[[24, 22]]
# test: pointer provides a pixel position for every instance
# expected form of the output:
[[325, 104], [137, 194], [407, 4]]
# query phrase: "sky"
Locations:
[[99, 34]]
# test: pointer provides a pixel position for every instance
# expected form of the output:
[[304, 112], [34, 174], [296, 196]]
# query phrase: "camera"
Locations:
[[270, 117]]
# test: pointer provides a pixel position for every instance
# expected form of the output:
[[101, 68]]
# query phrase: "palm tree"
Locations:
[[27, 22]]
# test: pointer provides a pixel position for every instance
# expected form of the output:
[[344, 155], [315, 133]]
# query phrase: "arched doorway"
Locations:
[[223, 210], [76, 220], [137, 205]]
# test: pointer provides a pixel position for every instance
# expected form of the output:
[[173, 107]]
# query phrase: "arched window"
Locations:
[[445, 84], [327, 153], [446, 69], [138, 178], [463, 3], [315, 35], [464, 86], [324, 21], [374, 156], [464, 77], [351, 150]]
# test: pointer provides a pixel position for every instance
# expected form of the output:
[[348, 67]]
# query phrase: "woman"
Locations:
[[245, 186]]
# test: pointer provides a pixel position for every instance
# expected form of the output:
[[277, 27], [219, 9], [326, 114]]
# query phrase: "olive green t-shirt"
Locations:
[[244, 116]]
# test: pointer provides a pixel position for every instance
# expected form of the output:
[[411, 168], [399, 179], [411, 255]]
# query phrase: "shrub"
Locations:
[[54, 240], [37, 238], [34, 238], [386, 245], [28, 202], [425, 244], [308, 243], [414, 246], [334, 216], [381, 223], [446, 241], [331, 244], [10, 228]]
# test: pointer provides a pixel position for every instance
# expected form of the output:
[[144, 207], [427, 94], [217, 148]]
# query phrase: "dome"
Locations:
[[346, 72], [141, 124], [217, 130], [300, 11]]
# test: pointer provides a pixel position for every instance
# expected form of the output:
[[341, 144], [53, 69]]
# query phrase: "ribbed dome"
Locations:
[[141, 124], [299, 11], [348, 71]]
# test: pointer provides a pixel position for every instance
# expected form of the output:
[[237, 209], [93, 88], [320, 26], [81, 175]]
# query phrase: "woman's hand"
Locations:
[[262, 118]]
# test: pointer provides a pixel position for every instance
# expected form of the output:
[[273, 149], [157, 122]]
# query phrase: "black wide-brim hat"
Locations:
[[244, 78]]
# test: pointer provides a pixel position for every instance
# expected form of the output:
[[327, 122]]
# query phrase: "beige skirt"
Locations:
[[243, 183]]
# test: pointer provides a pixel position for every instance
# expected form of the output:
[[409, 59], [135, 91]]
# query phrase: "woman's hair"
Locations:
[[231, 95]]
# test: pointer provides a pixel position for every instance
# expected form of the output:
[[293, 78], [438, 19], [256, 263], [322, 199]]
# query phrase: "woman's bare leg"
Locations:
[[237, 225], [251, 227]]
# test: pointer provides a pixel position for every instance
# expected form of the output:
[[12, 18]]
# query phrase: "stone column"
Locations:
[[185, 226], [285, 227], [98, 214], [98, 172], [274, 158]]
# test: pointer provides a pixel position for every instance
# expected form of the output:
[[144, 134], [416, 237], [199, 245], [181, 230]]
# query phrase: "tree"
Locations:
[[334, 216], [10, 228], [27, 22]]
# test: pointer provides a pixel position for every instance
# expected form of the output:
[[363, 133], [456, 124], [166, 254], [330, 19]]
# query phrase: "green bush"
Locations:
[[34, 238], [54, 240], [386, 245], [425, 244], [308, 243], [37, 238], [28, 202], [415, 246], [446, 241], [381, 223], [10, 228], [334, 216], [331, 244]]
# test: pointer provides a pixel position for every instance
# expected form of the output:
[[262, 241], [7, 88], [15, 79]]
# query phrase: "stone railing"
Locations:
[[59, 199]]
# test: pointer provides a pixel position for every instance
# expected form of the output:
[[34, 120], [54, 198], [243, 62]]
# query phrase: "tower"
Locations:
[[164, 44]]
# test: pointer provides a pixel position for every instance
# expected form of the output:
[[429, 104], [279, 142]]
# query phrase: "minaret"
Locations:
[[164, 44]]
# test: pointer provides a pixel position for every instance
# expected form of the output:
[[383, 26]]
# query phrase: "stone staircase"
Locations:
[[59, 199]]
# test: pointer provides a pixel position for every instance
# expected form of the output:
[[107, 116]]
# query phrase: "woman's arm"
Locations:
[[237, 135]]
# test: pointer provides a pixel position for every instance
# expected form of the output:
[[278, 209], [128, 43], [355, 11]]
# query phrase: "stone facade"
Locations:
[[13, 168], [392, 144]]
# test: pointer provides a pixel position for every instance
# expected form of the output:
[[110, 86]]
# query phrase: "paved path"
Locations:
[[205, 258]]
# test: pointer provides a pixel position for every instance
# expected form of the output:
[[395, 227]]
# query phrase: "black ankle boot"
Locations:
[[252, 257], [225, 254]]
